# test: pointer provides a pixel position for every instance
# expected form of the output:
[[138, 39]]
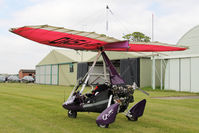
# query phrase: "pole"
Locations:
[[152, 30], [153, 72], [161, 76], [107, 8]]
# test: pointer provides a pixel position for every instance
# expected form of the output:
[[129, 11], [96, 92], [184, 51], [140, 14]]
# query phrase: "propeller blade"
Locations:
[[143, 91]]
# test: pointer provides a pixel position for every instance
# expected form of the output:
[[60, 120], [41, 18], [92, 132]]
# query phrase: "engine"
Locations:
[[123, 94]]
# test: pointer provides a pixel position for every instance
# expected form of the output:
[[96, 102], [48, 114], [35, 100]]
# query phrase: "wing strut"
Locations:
[[90, 71]]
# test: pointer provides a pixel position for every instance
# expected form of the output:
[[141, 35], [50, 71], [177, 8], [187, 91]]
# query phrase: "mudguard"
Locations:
[[108, 115], [136, 111]]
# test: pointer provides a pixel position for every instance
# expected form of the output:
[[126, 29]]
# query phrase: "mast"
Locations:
[[152, 29], [107, 22], [153, 84], [107, 18]]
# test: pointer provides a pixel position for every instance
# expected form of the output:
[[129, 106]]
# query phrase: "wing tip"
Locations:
[[12, 29]]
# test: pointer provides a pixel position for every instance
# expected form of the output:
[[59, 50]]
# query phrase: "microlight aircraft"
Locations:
[[109, 98]]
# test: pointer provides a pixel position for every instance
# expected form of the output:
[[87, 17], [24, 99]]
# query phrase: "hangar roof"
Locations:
[[60, 56], [125, 55], [191, 40]]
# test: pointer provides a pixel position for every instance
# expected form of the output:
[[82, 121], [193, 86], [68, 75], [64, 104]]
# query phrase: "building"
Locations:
[[26, 72], [64, 67], [182, 68], [59, 67]]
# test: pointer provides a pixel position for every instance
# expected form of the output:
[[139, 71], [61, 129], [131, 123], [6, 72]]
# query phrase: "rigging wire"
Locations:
[[87, 19], [98, 20], [116, 20], [121, 24], [98, 17], [119, 20]]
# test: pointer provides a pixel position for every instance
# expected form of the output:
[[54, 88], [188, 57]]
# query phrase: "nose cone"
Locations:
[[65, 106], [72, 106]]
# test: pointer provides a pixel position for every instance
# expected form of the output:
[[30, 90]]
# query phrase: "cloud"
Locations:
[[1, 2], [172, 19], [57, 12], [17, 53], [179, 17]]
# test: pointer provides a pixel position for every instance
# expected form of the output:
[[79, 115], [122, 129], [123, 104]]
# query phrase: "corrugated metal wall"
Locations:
[[47, 74], [185, 73], [146, 72], [194, 74], [182, 74], [58, 74], [55, 74]]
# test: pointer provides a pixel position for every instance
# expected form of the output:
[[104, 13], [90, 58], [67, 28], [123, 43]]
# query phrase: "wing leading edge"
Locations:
[[80, 40]]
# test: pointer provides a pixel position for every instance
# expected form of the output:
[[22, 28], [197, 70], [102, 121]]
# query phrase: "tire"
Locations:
[[72, 114], [103, 126], [132, 118]]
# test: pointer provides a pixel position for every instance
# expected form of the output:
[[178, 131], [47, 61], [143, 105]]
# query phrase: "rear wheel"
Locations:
[[72, 114], [132, 118], [103, 126]]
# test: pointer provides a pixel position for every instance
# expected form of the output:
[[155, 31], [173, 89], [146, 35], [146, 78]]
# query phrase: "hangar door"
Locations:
[[82, 69], [130, 70], [47, 74]]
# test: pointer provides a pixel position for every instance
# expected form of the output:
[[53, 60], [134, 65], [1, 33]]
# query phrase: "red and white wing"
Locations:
[[80, 40]]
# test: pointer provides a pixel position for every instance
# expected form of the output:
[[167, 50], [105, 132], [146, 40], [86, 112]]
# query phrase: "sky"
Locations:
[[172, 19]]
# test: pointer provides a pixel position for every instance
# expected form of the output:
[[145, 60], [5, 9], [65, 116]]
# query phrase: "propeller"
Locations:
[[134, 86]]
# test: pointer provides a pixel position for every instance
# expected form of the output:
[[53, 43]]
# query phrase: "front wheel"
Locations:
[[72, 114], [103, 126]]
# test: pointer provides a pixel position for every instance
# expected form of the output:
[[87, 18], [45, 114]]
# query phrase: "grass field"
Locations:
[[38, 108]]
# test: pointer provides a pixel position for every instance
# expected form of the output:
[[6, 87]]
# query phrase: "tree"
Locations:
[[137, 37]]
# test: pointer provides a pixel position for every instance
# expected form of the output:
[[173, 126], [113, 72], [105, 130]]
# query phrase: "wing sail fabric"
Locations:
[[59, 39], [153, 47], [80, 40]]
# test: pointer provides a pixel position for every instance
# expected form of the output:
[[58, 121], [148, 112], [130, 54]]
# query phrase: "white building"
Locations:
[[182, 69]]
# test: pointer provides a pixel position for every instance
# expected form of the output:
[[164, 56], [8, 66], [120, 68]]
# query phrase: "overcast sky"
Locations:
[[172, 19]]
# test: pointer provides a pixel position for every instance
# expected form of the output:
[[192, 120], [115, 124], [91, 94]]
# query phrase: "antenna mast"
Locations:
[[152, 30], [107, 18], [107, 8]]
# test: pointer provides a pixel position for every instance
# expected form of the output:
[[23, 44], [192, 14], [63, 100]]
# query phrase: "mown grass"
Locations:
[[30, 108]]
